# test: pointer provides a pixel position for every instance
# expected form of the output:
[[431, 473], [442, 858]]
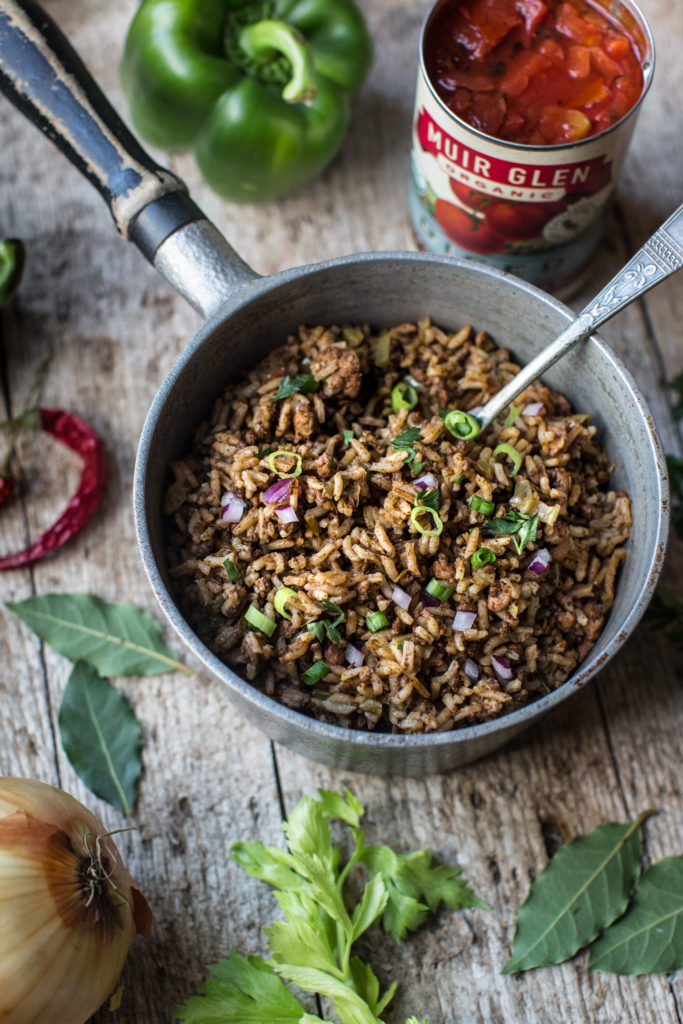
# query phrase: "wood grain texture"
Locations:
[[95, 330]]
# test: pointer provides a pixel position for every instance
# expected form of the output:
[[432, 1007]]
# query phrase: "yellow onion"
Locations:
[[69, 910]]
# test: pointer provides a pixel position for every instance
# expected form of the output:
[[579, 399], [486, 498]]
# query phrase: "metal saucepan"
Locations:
[[245, 315]]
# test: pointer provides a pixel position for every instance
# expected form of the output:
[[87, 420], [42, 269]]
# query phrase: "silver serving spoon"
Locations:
[[657, 259]]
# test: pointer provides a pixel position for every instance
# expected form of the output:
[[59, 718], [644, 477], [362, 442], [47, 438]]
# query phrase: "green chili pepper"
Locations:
[[282, 596], [482, 557], [512, 454], [436, 518], [294, 470], [462, 425], [259, 90], [12, 259], [403, 396]]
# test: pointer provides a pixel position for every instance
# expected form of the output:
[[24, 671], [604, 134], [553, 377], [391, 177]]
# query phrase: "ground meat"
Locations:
[[560, 551], [592, 629], [304, 419], [293, 698], [326, 465], [500, 595], [346, 379], [334, 655]]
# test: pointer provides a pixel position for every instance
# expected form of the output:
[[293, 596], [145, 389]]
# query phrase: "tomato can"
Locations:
[[552, 200]]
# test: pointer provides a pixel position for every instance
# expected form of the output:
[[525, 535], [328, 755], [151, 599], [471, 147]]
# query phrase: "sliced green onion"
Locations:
[[260, 621], [478, 504], [512, 454], [403, 396], [420, 510], [458, 480], [315, 673], [462, 425], [511, 416], [376, 621], [438, 589], [348, 436], [282, 596], [482, 557], [296, 469], [382, 350]]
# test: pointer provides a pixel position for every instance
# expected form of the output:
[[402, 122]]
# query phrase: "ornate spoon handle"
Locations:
[[657, 259]]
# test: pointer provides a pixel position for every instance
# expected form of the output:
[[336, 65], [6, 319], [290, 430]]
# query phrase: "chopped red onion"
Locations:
[[354, 656], [540, 562], [533, 409], [426, 481], [287, 514], [401, 598], [501, 668], [429, 600], [463, 620], [471, 670], [233, 508], [279, 492]]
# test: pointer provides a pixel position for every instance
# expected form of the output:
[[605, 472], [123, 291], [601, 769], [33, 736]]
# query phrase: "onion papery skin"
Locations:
[[60, 959]]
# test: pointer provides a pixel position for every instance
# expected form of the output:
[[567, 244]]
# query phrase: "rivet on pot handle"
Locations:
[[44, 77]]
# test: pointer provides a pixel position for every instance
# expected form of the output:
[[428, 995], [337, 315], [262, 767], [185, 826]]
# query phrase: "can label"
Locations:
[[536, 212]]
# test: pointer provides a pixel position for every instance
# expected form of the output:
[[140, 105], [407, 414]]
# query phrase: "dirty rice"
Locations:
[[356, 536]]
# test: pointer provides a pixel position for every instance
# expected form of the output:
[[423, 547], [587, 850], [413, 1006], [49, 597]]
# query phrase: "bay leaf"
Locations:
[[582, 890], [115, 639], [648, 939], [101, 737]]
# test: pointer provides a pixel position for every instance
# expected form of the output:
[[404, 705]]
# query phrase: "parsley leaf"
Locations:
[[232, 570], [415, 887], [317, 628], [322, 626], [522, 526], [405, 442], [241, 989], [303, 383], [406, 438], [429, 499], [312, 946]]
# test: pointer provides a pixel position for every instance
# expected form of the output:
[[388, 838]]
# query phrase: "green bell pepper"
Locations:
[[12, 260], [260, 91]]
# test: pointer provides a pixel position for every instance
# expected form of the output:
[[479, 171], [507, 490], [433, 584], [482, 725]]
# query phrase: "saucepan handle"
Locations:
[[44, 77]]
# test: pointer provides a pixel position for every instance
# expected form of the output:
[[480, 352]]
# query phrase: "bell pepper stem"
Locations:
[[262, 37]]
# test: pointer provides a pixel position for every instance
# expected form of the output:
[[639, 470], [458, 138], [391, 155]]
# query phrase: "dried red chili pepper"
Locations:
[[6, 488], [82, 439]]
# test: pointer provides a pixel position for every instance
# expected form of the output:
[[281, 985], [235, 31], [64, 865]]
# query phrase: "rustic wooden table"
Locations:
[[95, 330]]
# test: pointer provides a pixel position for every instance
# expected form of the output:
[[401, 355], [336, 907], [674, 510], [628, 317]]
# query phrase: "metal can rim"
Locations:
[[647, 65]]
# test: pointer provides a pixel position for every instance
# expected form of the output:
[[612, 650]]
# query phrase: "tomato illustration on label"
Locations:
[[521, 222], [472, 233]]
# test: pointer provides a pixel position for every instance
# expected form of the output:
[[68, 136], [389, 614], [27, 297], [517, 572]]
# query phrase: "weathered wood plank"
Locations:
[[107, 329]]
